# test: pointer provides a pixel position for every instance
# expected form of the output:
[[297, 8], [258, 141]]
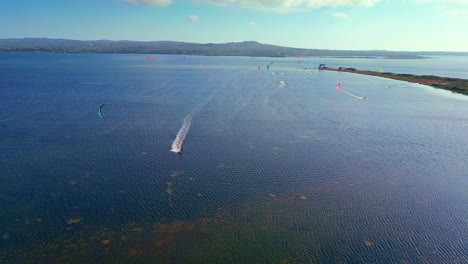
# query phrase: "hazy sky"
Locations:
[[324, 24]]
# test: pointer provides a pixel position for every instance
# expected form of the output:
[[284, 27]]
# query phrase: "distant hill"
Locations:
[[246, 48]]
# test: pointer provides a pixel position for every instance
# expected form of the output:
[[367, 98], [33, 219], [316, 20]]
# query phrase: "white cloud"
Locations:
[[444, 1], [333, 3], [290, 5], [252, 23], [340, 15], [275, 5], [192, 18], [456, 13], [150, 2], [286, 5]]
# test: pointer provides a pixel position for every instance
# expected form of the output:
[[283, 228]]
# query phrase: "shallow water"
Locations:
[[268, 172]]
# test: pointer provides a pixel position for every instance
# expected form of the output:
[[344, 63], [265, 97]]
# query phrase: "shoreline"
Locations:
[[454, 85]]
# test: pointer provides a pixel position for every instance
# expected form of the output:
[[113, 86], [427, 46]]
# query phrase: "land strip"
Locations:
[[455, 85]]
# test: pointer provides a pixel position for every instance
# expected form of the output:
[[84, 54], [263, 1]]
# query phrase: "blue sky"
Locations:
[[325, 24]]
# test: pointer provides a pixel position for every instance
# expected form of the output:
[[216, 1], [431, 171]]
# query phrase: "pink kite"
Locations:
[[206, 70], [338, 86]]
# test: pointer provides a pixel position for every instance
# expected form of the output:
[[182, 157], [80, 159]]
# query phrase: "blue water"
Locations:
[[267, 173]]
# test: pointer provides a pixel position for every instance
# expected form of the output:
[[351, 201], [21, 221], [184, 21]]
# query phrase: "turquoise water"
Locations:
[[269, 172]]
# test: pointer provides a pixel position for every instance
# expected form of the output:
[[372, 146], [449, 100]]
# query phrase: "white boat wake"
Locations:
[[176, 146], [282, 84], [353, 95]]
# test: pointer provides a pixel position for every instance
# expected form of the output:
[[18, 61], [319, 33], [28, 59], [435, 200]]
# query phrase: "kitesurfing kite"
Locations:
[[268, 67], [338, 86], [258, 67], [100, 110], [381, 69], [206, 70]]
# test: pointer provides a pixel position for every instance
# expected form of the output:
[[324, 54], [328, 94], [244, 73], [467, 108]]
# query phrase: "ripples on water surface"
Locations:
[[270, 173]]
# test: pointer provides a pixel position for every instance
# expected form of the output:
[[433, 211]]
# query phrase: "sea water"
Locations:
[[264, 172]]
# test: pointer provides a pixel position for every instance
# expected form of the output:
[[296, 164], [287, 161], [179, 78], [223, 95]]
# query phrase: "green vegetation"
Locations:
[[252, 233], [245, 48], [451, 84]]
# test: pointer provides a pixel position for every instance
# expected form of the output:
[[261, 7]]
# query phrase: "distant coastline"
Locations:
[[394, 57], [451, 84], [245, 48]]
